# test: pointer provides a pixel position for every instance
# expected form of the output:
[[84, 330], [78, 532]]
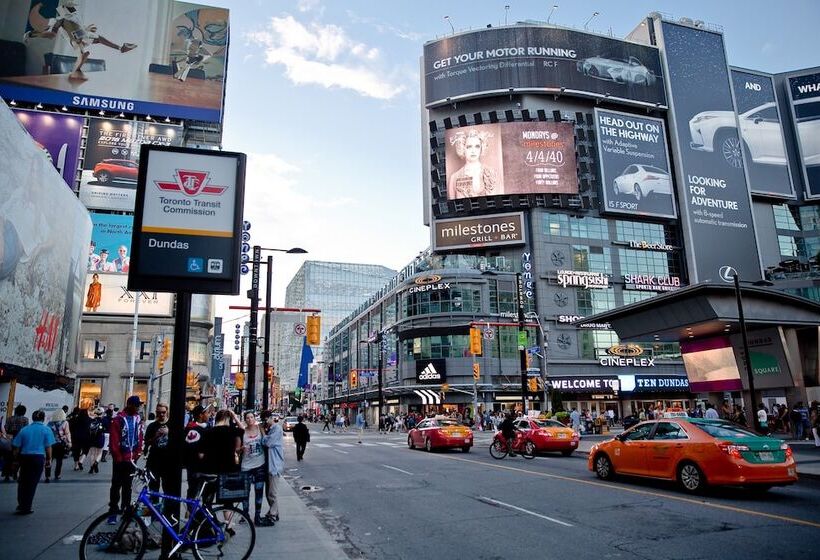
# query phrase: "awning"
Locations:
[[427, 396]]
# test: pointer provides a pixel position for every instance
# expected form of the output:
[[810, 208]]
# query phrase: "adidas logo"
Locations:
[[429, 373]]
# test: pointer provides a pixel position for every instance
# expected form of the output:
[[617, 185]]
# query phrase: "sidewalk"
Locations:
[[63, 510]]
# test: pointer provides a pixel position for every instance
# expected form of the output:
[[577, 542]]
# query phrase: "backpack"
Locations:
[[55, 429], [95, 428]]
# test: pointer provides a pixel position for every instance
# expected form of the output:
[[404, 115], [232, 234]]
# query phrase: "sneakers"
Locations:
[[112, 519]]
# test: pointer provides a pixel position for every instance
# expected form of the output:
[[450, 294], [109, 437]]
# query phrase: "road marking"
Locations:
[[340, 451], [522, 510], [386, 443], [366, 444], [322, 444], [397, 469], [345, 444], [609, 486]]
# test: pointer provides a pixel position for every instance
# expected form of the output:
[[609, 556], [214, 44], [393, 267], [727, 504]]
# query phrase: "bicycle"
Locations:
[[221, 531], [521, 444]]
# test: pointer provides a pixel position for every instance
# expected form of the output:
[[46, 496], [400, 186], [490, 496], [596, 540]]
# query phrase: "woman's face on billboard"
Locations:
[[472, 149]]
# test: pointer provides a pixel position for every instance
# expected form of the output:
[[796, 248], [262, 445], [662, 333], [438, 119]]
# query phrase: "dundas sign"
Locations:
[[486, 231], [582, 279]]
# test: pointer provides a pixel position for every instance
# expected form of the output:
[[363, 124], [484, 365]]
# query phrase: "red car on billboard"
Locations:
[[116, 170], [440, 432]]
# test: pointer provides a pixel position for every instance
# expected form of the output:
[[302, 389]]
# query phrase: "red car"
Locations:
[[116, 170], [548, 435], [440, 433]]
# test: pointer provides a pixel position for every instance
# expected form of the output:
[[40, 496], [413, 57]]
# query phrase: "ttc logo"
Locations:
[[191, 183]]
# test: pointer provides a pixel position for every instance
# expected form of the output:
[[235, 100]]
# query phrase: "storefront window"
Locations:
[[595, 343], [94, 349], [591, 259], [90, 393]]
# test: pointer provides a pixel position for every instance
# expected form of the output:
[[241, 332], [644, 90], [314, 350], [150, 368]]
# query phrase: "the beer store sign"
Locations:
[[646, 246], [582, 279], [651, 283], [582, 384]]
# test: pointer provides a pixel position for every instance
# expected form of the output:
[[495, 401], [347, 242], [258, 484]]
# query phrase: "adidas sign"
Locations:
[[429, 373]]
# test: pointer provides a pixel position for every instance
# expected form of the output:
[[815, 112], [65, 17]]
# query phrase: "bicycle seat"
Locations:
[[208, 477]]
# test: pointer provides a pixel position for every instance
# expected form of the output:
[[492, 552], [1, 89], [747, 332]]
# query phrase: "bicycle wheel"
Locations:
[[125, 539], [240, 535], [528, 450], [498, 450]]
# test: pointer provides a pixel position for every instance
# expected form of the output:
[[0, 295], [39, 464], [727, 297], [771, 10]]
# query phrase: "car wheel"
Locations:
[[410, 443], [465, 449], [567, 452], [729, 146], [104, 177], [428, 445], [603, 467], [691, 478], [639, 80], [636, 190], [592, 72]]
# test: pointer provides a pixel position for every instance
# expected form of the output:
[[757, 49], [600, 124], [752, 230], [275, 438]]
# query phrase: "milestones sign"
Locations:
[[188, 221]]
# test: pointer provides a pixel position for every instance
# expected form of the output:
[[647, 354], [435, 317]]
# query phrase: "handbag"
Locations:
[[233, 487]]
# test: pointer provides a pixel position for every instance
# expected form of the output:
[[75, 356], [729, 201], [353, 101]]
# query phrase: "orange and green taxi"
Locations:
[[696, 452]]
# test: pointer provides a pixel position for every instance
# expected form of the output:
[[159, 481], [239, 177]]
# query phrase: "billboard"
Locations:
[[634, 161], [110, 248], [44, 236], [761, 133], [510, 158], [108, 294], [58, 136], [804, 93], [109, 176], [711, 365], [715, 203], [528, 58], [482, 231], [161, 58]]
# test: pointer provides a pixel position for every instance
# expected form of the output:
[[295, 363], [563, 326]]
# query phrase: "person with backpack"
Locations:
[[62, 437], [96, 438], [80, 439]]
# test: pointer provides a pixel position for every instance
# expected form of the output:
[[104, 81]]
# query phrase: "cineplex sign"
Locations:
[[485, 231]]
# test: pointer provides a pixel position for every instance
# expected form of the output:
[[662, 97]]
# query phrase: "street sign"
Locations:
[[489, 333], [522, 339], [299, 329]]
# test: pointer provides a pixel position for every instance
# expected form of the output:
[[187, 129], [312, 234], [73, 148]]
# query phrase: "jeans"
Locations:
[[57, 456], [257, 477], [31, 469], [300, 449], [120, 486]]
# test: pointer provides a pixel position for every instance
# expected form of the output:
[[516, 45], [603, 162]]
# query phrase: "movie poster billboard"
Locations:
[[111, 166], [108, 294], [44, 236], [161, 58], [510, 158], [804, 92], [110, 249], [541, 59], [761, 133], [58, 136], [634, 163], [715, 203]]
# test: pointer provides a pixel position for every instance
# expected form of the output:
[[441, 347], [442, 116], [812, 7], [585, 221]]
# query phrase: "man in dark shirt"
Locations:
[[507, 429], [301, 437], [156, 446], [222, 445], [13, 427], [192, 450]]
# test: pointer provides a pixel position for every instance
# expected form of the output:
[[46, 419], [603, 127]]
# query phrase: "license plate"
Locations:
[[765, 456], [562, 436], [467, 440]]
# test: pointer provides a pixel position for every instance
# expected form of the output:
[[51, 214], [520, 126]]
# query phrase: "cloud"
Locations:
[[325, 55], [385, 28], [309, 5]]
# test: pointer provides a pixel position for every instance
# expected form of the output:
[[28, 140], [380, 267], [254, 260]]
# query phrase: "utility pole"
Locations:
[[522, 339], [266, 353], [253, 294]]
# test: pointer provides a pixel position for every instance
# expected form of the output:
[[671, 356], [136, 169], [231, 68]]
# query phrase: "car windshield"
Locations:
[[549, 424], [290, 419], [446, 422], [725, 430]]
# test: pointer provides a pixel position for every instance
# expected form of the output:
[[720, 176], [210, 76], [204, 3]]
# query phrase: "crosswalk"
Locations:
[[344, 445]]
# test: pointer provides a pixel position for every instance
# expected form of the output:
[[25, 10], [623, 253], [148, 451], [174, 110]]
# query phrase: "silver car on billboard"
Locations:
[[624, 71], [642, 180]]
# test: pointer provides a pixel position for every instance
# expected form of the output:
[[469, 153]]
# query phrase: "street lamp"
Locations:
[[594, 15], [554, 7]]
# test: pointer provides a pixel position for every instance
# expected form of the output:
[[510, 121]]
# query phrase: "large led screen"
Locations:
[[761, 133], [108, 294], [110, 249], [111, 166], [711, 365], [528, 58], [44, 235], [634, 163], [58, 136], [805, 97], [510, 158], [161, 58]]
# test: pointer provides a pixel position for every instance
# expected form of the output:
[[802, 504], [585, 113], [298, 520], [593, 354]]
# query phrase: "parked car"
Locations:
[[289, 423], [641, 180], [624, 71], [548, 435], [696, 452], [116, 170], [440, 432]]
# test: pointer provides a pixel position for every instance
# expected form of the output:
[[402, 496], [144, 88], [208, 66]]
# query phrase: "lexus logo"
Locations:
[[727, 273]]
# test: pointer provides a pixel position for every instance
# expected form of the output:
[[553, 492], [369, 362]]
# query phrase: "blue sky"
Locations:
[[324, 97]]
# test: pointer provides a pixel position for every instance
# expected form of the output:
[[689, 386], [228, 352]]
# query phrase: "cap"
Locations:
[[133, 400], [198, 409], [99, 411]]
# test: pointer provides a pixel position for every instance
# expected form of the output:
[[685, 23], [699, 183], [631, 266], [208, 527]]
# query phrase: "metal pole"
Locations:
[[747, 356], [522, 349], [134, 346], [381, 365], [266, 355], [250, 396], [241, 370], [155, 344]]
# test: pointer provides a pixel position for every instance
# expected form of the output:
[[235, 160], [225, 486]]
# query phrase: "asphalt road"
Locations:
[[381, 500]]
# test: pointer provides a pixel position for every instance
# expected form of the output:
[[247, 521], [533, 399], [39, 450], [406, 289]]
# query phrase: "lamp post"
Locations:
[[594, 15]]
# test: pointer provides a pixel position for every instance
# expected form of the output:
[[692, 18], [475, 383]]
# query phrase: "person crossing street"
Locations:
[[32, 445], [301, 437]]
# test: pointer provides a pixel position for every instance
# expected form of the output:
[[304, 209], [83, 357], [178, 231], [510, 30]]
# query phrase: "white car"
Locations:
[[640, 180], [623, 71], [759, 127]]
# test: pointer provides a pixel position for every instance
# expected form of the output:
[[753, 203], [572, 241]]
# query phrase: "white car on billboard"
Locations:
[[641, 180], [760, 129], [808, 130], [624, 71]]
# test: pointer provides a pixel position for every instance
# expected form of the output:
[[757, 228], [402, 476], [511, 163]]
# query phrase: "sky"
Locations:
[[323, 96]]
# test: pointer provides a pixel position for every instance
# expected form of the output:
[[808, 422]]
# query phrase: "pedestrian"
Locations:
[[221, 449], [253, 465], [340, 422], [32, 445], [193, 454], [96, 431], [301, 437], [107, 418], [326, 419], [126, 444], [360, 424], [575, 420], [79, 424], [711, 413], [62, 443], [274, 443], [800, 421], [762, 419], [13, 427], [814, 418], [158, 461]]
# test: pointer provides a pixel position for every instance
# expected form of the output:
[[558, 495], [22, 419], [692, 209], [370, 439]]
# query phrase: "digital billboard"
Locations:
[[634, 161], [804, 92], [510, 158], [715, 203], [111, 165], [529, 58], [58, 136], [108, 294], [761, 133], [110, 249], [711, 365], [44, 236], [161, 58]]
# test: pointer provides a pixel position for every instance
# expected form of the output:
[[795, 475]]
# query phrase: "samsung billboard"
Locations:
[[804, 92], [541, 59]]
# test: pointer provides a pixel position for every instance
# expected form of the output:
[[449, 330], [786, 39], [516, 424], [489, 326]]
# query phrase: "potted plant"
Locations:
[[562, 417]]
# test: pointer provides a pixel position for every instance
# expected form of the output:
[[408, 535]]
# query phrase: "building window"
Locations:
[[643, 231], [595, 343], [198, 353], [556, 225], [445, 346], [591, 259], [788, 246], [563, 225], [634, 296], [809, 218], [594, 301], [457, 299], [648, 262], [783, 218], [94, 349], [89, 393]]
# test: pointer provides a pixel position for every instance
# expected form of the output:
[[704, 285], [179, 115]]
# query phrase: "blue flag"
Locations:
[[307, 358]]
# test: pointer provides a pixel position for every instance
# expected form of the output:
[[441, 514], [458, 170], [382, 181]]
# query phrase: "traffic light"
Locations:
[[270, 374], [164, 353], [476, 371], [354, 379], [314, 330], [532, 384], [239, 381], [445, 387], [475, 341]]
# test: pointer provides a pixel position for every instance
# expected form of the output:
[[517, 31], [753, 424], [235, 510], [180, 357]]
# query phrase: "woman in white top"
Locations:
[[253, 464], [474, 178]]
